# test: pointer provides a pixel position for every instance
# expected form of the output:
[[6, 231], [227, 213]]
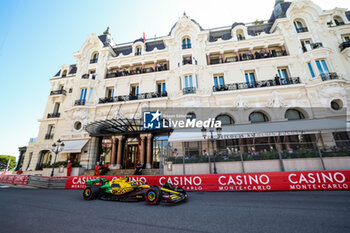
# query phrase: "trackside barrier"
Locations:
[[47, 182], [35, 181], [14, 179], [268, 181]]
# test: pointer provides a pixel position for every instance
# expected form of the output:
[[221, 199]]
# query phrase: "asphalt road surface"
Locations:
[[41, 210]]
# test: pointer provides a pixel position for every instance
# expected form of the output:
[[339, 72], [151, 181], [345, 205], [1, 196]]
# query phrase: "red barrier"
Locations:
[[14, 179], [268, 181]]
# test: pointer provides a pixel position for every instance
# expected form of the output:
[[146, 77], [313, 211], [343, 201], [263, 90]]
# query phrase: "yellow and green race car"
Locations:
[[122, 189]]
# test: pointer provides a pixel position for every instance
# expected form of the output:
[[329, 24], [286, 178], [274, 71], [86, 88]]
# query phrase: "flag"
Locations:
[[144, 37]]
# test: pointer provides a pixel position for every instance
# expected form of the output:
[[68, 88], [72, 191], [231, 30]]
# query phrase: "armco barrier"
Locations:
[[268, 181], [14, 179], [47, 182]]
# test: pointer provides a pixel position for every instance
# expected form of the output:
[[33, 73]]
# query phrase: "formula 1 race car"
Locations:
[[122, 189]]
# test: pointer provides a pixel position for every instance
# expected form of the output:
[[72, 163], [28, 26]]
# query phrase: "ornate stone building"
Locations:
[[293, 66]]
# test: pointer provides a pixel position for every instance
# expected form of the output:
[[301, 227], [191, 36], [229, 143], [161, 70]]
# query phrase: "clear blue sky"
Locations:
[[36, 37]]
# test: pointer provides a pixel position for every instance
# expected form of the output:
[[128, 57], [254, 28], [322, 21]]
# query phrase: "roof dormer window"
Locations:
[[186, 43], [94, 58], [138, 50]]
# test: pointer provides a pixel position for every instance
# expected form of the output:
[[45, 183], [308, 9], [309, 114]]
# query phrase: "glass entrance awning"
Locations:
[[120, 127]]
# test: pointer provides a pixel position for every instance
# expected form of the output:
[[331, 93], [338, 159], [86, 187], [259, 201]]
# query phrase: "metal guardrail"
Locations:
[[47, 182]]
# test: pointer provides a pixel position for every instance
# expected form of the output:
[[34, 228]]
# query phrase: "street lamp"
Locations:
[[56, 148], [212, 139]]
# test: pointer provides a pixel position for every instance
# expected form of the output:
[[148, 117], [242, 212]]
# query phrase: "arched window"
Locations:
[[94, 57], [191, 116], [240, 34], [225, 119], [138, 50], [45, 159], [257, 117], [64, 73], [186, 43], [338, 20], [293, 114], [300, 26]]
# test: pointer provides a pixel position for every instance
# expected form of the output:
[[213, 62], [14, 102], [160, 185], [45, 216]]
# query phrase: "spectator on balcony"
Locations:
[[257, 55], [277, 80], [159, 67]]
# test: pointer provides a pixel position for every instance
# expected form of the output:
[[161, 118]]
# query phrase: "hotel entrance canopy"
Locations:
[[264, 130], [120, 127]]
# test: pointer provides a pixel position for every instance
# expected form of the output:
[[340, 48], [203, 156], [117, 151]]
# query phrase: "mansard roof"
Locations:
[[347, 15], [279, 11]]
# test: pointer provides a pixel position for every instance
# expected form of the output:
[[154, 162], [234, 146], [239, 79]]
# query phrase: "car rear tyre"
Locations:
[[153, 196], [91, 192]]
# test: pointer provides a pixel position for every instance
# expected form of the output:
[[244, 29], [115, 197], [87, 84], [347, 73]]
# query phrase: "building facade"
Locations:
[[294, 66]]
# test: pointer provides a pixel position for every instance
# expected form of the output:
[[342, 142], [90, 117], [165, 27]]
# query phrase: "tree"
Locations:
[[4, 161]]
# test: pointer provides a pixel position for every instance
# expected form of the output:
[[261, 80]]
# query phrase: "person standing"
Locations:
[[97, 169], [69, 168]]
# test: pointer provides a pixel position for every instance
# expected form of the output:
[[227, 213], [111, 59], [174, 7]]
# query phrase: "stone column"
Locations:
[[149, 151], [113, 150], [92, 153], [222, 57], [208, 59], [237, 55], [119, 154], [167, 65], [142, 149]]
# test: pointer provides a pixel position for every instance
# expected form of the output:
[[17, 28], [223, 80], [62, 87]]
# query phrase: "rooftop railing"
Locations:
[[149, 95], [257, 84]]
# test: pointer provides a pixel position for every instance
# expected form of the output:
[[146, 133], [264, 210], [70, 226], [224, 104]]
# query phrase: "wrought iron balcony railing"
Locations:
[[344, 45], [248, 56], [58, 92], [329, 76], [79, 102], [49, 136], [54, 115], [136, 71], [93, 60], [257, 84], [189, 90], [149, 95], [301, 30]]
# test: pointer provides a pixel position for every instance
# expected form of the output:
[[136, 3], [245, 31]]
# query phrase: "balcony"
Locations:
[[344, 45], [49, 136], [248, 56], [58, 92], [122, 73], [87, 76], [149, 95], [312, 46], [93, 61], [54, 115], [187, 61], [257, 84], [79, 102], [301, 30], [329, 76], [189, 90]]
